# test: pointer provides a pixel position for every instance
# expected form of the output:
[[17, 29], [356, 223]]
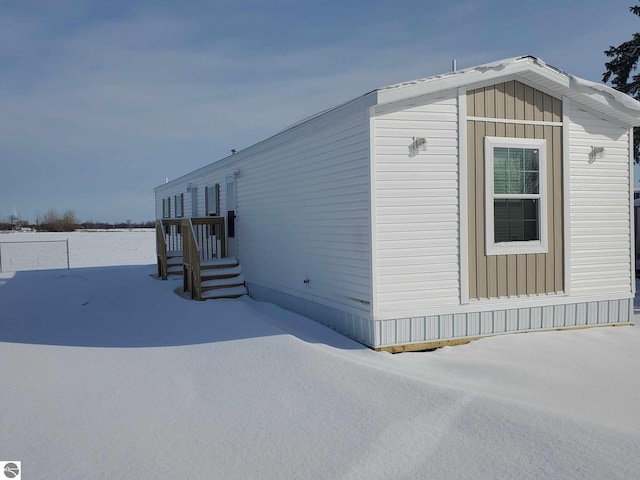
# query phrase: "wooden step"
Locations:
[[174, 269], [171, 261], [228, 292], [214, 273], [212, 263], [222, 282]]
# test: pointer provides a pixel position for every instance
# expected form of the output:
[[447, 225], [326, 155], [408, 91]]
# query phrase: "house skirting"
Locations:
[[357, 327], [421, 332], [432, 331]]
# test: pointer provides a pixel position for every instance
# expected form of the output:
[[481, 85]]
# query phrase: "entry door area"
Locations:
[[232, 205]]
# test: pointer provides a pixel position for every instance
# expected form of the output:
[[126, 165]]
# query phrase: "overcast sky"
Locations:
[[100, 101]]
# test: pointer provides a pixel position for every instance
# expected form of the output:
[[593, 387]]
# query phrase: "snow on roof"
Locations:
[[595, 95], [591, 94]]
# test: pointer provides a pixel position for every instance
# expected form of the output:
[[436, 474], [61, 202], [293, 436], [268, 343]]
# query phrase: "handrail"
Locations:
[[161, 250], [191, 260], [216, 230], [198, 239]]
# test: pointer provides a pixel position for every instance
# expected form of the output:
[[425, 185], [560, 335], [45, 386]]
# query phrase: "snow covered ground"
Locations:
[[108, 373]]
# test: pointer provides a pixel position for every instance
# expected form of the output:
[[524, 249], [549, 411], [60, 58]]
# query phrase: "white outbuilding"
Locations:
[[484, 201]]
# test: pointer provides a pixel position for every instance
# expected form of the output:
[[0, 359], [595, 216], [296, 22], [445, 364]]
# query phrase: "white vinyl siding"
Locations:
[[304, 214], [416, 212], [303, 209], [599, 207]]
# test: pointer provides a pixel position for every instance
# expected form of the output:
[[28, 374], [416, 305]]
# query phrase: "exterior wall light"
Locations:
[[596, 154], [419, 144]]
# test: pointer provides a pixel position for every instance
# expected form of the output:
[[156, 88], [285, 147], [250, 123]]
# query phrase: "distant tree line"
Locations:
[[52, 221]]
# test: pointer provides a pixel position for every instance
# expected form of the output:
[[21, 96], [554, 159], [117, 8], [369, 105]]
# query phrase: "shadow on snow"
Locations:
[[127, 307]]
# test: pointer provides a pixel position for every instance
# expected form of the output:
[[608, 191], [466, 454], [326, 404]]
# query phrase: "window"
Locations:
[[516, 211], [179, 205], [166, 207], [212, 200]]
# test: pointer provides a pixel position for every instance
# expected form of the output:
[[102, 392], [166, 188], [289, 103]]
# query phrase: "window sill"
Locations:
[[516, 248]]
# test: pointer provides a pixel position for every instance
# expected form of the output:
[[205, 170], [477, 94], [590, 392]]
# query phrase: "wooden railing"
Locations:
[[168, 239], [201, 237], [161, 250], [190, 260], [210, 237], [172, 234]]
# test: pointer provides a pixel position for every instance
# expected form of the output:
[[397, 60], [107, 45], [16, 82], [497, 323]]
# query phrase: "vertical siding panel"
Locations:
[[503, 276], [547, 108], [557, 110], [558, 214], [500, 100], [552, 182], [538, 110], [510, 130], [512, 275], [471, 104], [515, 274], [521, 262], [540, 273], [490, 102], [473, 232], [481, 274], [510, 100], [531, 274], [529, 113], [493, 276], [519, 98], [529, 131], [479, 103]]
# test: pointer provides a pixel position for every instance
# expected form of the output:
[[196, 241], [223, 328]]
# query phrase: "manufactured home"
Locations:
[[489, 200]]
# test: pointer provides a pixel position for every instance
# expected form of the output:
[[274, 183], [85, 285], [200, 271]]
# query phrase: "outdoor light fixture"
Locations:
[[596, 154], [419, 144]]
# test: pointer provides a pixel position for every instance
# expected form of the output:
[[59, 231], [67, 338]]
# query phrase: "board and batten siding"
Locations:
[[600, 206], [416, 207], [499, 276]]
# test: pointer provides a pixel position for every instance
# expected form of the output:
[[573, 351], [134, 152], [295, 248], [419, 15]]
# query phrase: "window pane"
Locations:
[[530, 209], [515, 220], [500, 221], [531, 230], [531, 159], [515, 170], [500, 156], [531, 182]]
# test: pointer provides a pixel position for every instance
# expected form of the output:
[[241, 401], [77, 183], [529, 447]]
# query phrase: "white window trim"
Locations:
[[515, 248]]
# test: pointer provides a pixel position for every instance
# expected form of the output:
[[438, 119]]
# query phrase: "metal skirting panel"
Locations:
[[359, 328], [436, 328]]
